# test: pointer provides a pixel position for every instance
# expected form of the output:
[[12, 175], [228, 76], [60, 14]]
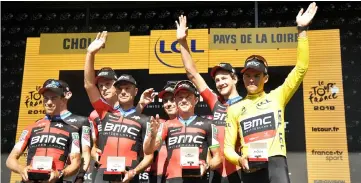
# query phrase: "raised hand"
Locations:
[[98, 43], [147, 97], [182, 29], [304, 19], [154, 125]]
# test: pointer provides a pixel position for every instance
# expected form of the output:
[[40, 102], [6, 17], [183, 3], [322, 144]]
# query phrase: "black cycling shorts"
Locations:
[[277, 172]]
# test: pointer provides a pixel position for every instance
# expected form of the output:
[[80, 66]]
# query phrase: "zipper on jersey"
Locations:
[[121, 124], [47, 143]]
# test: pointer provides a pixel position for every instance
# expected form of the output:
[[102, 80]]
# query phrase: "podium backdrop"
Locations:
[[315, 116]]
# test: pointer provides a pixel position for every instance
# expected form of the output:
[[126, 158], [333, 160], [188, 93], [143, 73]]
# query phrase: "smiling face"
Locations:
[[169, 104], [186, 101], [126, 92], [254, 81], [53, 103], [225, 82]]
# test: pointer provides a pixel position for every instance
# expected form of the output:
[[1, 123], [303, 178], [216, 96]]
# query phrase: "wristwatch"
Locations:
[[302, 28]]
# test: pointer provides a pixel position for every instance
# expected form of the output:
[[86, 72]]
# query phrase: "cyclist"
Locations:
[[50, 136], [157, 168], [259, 118], [187, 130], [125, 128], [226, 79]]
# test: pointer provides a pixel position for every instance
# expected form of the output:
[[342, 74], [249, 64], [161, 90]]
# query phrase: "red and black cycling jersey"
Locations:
[[83, 125], [199, 132], [120, 135], [94, 123], [229, 172], [50, 137]]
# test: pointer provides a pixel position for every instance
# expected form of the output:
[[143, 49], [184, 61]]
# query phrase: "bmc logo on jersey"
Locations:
[[121, 128], [219, 116], [51, 139], [258, 123], [189, 139]]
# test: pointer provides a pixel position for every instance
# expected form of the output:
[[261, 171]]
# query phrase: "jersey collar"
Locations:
[[255, 96], [186, 122], [233, 100], [58, 117], [125, 112]]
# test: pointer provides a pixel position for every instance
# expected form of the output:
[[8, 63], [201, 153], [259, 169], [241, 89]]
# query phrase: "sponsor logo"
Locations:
[[86, 133], [59, 125], [173, 49], [75, 135], [258, 123], [144, 176], [253, 63], [72, 120], [219, 116], [199, 123], [103, 74], [121, 130], [38, 130], [186, 139], [323, 92], [114, 117], [323, 129], [329, 155], [135, 117], [48, 140], [263, 104], [124, 78], [175, 130], [34, 99]]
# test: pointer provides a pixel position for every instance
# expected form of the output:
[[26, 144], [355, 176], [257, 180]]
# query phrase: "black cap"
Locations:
[[224, 66], [126, 78], [185, 85], [255, 62], [106, 72], [55, 86], [168, 88], [65, 85]]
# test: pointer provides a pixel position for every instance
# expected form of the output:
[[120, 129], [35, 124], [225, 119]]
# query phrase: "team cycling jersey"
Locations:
[[260, 117], [51, 137], [228, 172], [119, 135], [199, 132], [83, 125]]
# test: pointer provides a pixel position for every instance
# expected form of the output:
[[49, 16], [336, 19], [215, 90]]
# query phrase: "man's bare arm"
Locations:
[[12, 161], [72, 169], [89, 73], [216, 159], [189, 64]]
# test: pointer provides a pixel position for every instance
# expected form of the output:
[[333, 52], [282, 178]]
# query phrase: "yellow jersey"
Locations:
[[260, 117]]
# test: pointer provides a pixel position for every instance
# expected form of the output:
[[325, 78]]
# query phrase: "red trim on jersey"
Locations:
[[130, 122], [191, 130], [209, 97], [260, 136], [54, 131], [101, 107]]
